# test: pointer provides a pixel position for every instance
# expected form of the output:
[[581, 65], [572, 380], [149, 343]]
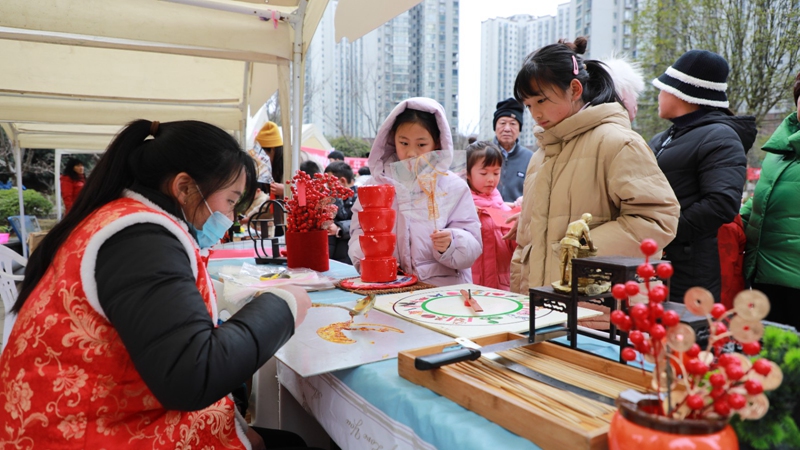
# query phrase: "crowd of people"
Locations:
[[117, 337]]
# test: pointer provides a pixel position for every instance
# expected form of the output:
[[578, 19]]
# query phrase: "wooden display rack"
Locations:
[[618, 269], [511, 412]]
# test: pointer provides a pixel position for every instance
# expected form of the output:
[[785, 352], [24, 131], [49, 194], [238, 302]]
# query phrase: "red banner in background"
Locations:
[[753, 173], [355, 163]]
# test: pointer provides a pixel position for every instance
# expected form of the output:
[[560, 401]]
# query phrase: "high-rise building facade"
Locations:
[[505, 41], [352, 87]]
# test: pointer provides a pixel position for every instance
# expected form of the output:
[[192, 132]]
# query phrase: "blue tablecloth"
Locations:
[[435, 419]]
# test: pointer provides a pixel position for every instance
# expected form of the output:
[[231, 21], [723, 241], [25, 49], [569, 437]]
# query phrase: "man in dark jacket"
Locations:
[[703, 156], [507, 125], [339, 231]]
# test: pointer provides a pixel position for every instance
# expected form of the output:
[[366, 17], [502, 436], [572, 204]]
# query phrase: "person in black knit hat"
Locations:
[[507, 125], [703, 156]]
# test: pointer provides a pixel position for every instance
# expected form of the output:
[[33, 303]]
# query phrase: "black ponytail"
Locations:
[[555, 64], [208, 154]]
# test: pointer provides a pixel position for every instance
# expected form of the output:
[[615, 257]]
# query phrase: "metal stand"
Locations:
[[617, 269], [261, 220]]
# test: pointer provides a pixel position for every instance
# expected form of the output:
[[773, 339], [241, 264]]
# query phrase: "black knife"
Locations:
[[490, 351]]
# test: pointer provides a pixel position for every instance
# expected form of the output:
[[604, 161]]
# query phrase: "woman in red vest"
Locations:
[[116, 343], [72, 181]]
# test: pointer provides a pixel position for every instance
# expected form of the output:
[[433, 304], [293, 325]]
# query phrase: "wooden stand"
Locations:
[[618, 269], [508, 410]]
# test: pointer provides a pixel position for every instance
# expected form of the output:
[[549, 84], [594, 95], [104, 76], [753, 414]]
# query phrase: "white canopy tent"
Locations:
[[75, 72]]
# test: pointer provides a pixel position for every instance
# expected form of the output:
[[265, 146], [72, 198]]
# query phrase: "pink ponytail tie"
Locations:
[[574, 65]]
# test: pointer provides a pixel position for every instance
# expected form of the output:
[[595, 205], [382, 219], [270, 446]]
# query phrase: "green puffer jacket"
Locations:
[[772, 217]]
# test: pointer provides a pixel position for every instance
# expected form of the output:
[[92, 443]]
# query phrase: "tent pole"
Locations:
[[57, 182], [245, 105], [297, 79], [18, 166], [284, 78]]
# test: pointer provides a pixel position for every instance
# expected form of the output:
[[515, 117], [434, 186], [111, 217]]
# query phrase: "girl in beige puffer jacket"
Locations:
[[589, 161]]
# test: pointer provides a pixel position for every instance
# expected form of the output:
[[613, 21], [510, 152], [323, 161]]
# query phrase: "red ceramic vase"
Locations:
[[632, 428], [377, 220], [378, 245], [378, 270], [380, 196], [307, 249]]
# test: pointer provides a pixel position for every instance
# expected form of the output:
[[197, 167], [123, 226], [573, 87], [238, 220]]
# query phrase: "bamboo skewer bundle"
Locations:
[[571, 408], [570, 373]]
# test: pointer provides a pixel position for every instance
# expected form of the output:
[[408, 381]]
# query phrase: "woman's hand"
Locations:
[[512, 233], [333, 229], [276, 189], [302, 299], [441, 240]]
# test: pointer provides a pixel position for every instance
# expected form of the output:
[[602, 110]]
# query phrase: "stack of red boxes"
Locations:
[[378, 242]]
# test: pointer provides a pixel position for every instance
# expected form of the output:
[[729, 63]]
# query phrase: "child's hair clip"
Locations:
[[574, 65]]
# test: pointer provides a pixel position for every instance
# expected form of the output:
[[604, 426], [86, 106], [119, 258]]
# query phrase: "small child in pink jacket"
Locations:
[[493, 267]]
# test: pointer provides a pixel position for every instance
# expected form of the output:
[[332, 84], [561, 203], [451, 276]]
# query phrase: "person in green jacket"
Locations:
[[772, 222]]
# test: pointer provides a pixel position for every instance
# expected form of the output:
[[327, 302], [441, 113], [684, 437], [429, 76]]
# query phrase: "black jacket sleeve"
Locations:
[[147, 290], [721, 176]]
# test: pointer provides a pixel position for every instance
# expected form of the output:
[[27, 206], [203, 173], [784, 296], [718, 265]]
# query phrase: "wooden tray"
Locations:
[[508, 410]]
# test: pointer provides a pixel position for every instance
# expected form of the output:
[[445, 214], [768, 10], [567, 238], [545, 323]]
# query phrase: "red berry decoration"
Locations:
[[695, 367], [657, 294], [670, 319], [720, 328], [617, 317], [695, 402], [693, 351], [726, 359], [656, 310], [762, 367], [751, 348], [717, 380], [658, 332], [717, 393], [737, 401], [649, 247], [645, 271], [644, 347], [722, 407], [636, 337], [628, 354], [718, 310], [639, 311], [618, 291], [734, 372], [625, 324], [753, 387], [665, 270], [632, 288]]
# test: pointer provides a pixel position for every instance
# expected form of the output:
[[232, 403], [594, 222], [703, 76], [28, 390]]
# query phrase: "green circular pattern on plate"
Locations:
[[425, 307]]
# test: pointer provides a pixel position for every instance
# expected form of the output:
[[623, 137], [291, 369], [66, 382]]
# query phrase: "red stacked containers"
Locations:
[[378, 242]]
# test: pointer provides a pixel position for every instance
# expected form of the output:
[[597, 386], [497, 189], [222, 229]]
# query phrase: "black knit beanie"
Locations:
[[509, 107]]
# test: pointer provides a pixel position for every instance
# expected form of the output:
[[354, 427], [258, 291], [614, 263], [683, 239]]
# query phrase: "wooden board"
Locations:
[[442, 309], [510, 411]]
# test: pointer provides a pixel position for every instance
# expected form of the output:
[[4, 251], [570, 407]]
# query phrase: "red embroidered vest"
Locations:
[[66, 379]]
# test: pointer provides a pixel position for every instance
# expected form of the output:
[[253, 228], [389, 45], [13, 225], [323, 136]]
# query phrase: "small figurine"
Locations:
[[571, 247]]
